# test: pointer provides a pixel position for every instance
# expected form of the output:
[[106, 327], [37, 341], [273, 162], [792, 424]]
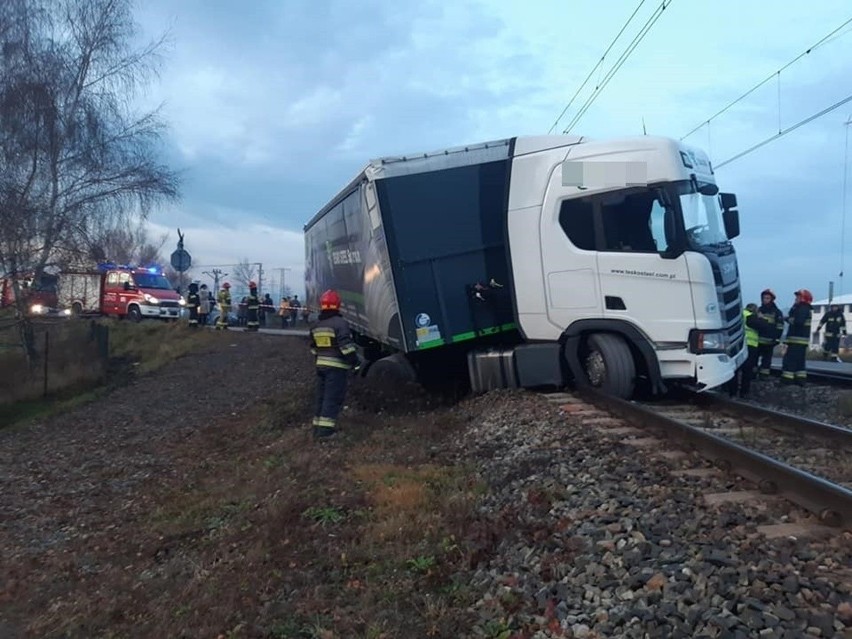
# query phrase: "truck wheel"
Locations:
[[609, 365], [393, 369], [134, 314]]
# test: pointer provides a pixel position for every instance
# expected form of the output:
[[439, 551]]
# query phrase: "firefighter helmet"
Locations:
[[768, 291], [252, 284], [805, 295], [330, 301], [226, 285]]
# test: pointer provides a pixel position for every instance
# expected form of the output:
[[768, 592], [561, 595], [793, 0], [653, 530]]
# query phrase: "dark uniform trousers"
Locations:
[[793, 368], [835, 323], [192, 301], [771, 328], [253, 305], [336, 356]]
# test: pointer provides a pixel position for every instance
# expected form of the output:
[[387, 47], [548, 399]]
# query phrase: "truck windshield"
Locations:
[[702, 214], [150, 280]]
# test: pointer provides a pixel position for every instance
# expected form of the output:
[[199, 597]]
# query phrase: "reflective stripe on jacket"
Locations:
[[799, 332], [331, 343]]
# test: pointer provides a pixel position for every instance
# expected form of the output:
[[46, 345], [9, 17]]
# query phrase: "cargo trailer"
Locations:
[[537, 261]]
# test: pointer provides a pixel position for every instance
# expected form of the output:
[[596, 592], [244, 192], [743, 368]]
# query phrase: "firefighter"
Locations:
[[770, 326], [336, 356], [193, 301], [798, 337], [741, 382], [252, 308], [835, 326], [224, 301]]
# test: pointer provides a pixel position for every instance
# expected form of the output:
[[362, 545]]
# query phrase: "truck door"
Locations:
[[636, 282], [568, 256], [112, 292]]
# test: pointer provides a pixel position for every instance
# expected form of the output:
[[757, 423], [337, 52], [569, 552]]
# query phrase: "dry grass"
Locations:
[[73, 361], [75, 368], [150, 345]]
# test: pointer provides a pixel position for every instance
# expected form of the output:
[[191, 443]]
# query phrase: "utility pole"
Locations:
[[259, 278], [216, 273], [843, 208]]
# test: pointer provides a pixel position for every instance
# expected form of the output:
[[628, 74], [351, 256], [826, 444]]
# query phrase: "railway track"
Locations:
[[829, 378], [743, 439]]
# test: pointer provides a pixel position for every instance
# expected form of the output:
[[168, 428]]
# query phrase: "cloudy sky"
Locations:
[[273, 109]]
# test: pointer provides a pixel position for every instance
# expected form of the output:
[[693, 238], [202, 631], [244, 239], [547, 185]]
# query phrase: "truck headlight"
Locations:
[[36, 309], [150, 299], [708, 342], [182, 302]]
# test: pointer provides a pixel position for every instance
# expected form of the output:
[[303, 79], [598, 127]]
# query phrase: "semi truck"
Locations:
[[537, 261], [123, 291]]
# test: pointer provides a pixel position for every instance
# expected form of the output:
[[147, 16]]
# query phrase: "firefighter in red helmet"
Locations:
[[770, 327], [336, 356], [798, 338]]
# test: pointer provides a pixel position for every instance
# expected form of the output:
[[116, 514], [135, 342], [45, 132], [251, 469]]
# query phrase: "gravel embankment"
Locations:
[[815, 401], [818, 455], [601, 538]]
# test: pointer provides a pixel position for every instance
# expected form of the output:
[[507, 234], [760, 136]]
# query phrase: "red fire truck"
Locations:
[[40, 295], [121, 291]]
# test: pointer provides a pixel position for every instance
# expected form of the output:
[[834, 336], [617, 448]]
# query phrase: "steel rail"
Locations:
[[824, 377], [775, 419], [830, 502]]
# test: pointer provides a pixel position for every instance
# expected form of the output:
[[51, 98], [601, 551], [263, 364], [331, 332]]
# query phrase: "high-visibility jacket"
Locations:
[[749, 320], [224, 299], [331, 343], [799, 320]]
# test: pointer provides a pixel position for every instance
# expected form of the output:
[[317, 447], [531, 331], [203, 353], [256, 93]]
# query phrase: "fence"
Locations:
[[68, 354]]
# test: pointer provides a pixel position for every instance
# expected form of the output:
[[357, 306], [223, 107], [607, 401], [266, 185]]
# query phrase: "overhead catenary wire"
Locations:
[[658, 12], [784, 132], [598, 65], [774, 75]]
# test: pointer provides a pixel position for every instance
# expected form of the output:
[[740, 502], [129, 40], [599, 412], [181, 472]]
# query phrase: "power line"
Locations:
[[600, 62], [619, 63], [789, 129], [776, 74]]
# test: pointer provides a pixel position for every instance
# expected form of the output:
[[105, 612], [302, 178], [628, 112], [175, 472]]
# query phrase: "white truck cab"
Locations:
[[627, 237]]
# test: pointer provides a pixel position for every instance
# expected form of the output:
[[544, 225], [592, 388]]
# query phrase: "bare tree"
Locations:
[[77, 160], [128, 245], [244, 272]]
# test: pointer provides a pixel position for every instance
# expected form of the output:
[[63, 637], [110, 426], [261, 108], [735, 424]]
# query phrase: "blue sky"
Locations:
[[271, 111]]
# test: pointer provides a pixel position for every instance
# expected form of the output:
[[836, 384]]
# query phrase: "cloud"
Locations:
[[219, 246], [275, 109]]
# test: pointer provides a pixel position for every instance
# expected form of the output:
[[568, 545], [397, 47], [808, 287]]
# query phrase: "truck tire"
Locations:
[[392, 369], [134, 314], [609, 365]]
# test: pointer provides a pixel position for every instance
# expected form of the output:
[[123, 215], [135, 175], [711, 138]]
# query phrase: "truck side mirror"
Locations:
[[731, 218], [674, 250], [127, 286], [728, 200]]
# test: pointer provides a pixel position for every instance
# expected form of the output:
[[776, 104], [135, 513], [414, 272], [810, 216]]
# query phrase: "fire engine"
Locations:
[[120, 291], [40, 295]]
